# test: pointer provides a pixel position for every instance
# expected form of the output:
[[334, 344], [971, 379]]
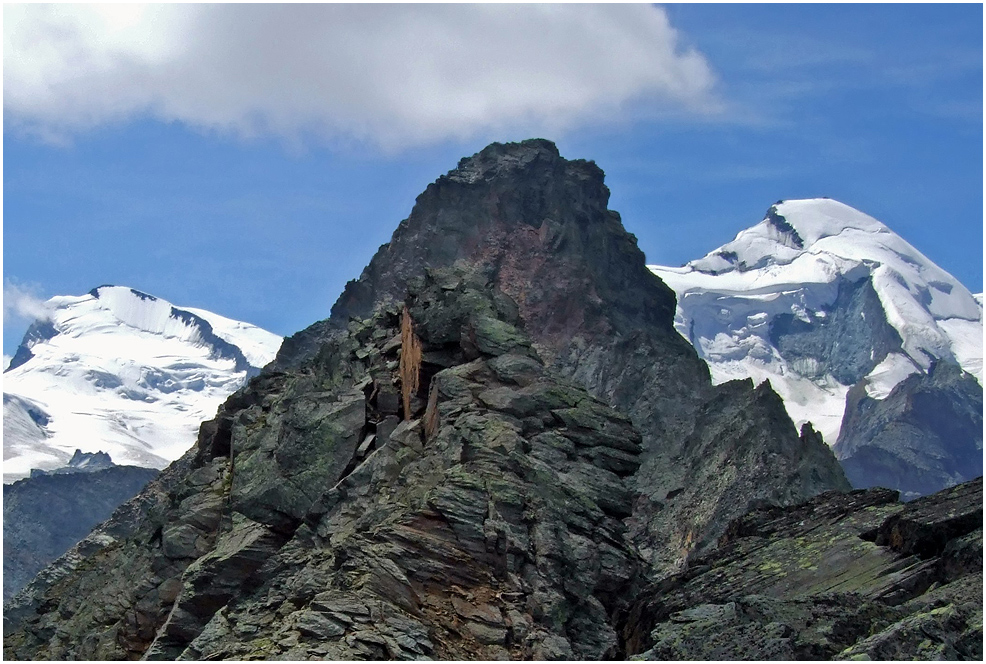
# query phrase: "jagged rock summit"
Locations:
[[540, 224], [81, 462], [495, 441]]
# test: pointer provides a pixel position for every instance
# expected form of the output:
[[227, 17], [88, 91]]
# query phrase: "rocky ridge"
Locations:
[[51, 511], [540, 224], [488, 525], [451, 483], [844, 576]]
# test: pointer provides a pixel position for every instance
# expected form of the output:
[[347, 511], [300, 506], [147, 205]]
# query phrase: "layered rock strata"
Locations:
[[844, 576], [514, 514], [540, 224], [311, 521]]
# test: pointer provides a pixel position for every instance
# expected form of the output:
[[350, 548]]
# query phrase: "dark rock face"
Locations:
[[844, 576], [305, 524], [781, 224], [45, 515], [739, 455], [540, 222], [564, 445], [38, 331], [848, 343], [926, 435], [540, 225]]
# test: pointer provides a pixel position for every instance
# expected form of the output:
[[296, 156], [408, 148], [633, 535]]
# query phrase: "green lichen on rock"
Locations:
[[817, 581]]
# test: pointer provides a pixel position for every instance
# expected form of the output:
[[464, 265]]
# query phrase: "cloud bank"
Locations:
[[21, 303], [390, 75]]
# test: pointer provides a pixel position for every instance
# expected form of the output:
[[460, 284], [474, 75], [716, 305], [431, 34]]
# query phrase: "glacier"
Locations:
[[122, 372], [806, 262]]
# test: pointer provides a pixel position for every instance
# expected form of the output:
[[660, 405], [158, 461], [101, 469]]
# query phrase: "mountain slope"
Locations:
[[818, 298], [855, 576], [45, 515], [541, 224], [120, 371], [496, 439]]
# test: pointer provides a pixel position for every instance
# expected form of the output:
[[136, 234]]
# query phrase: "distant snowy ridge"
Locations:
[[787, 301], [124, 372]]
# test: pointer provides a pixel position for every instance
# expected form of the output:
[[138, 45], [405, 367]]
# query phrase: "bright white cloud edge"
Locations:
[[22, 303], [394, 75]]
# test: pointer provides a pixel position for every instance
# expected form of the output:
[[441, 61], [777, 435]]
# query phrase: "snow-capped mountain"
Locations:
[[122, 372], [818, 297]]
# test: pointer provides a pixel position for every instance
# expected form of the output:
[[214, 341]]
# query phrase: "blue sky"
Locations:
[[251, 163]]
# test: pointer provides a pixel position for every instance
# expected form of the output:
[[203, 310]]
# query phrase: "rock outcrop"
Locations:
[[494, 442], [927, 434], [51, 511], [311, 521], [540, 224], [844, 576]]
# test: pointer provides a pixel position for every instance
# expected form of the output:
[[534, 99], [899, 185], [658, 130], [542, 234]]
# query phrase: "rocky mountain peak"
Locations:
[[81, 462], [495, 438], [839, 312], [498, 159], [540, 223]]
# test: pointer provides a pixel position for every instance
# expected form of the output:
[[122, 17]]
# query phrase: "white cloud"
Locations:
[[6, 361], [393, 75], [22, 303]]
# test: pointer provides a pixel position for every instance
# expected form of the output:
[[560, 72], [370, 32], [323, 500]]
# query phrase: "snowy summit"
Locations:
[[789, 299], [123, 372]]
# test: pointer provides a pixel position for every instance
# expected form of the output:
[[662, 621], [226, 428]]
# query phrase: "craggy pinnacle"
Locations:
[[564, 449], [540, 226], [346, 532]]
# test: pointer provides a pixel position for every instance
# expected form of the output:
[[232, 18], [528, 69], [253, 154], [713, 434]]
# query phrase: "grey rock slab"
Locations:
[[318, 625], [481, 612], [486, 634], [180, 541], [333, 602]]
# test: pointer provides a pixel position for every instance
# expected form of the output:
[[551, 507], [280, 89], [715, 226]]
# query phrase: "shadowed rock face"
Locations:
[[565, 445], [926, 435], [46, 514], [311, 522], [539, 225], [852, 339], [844, 576]]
